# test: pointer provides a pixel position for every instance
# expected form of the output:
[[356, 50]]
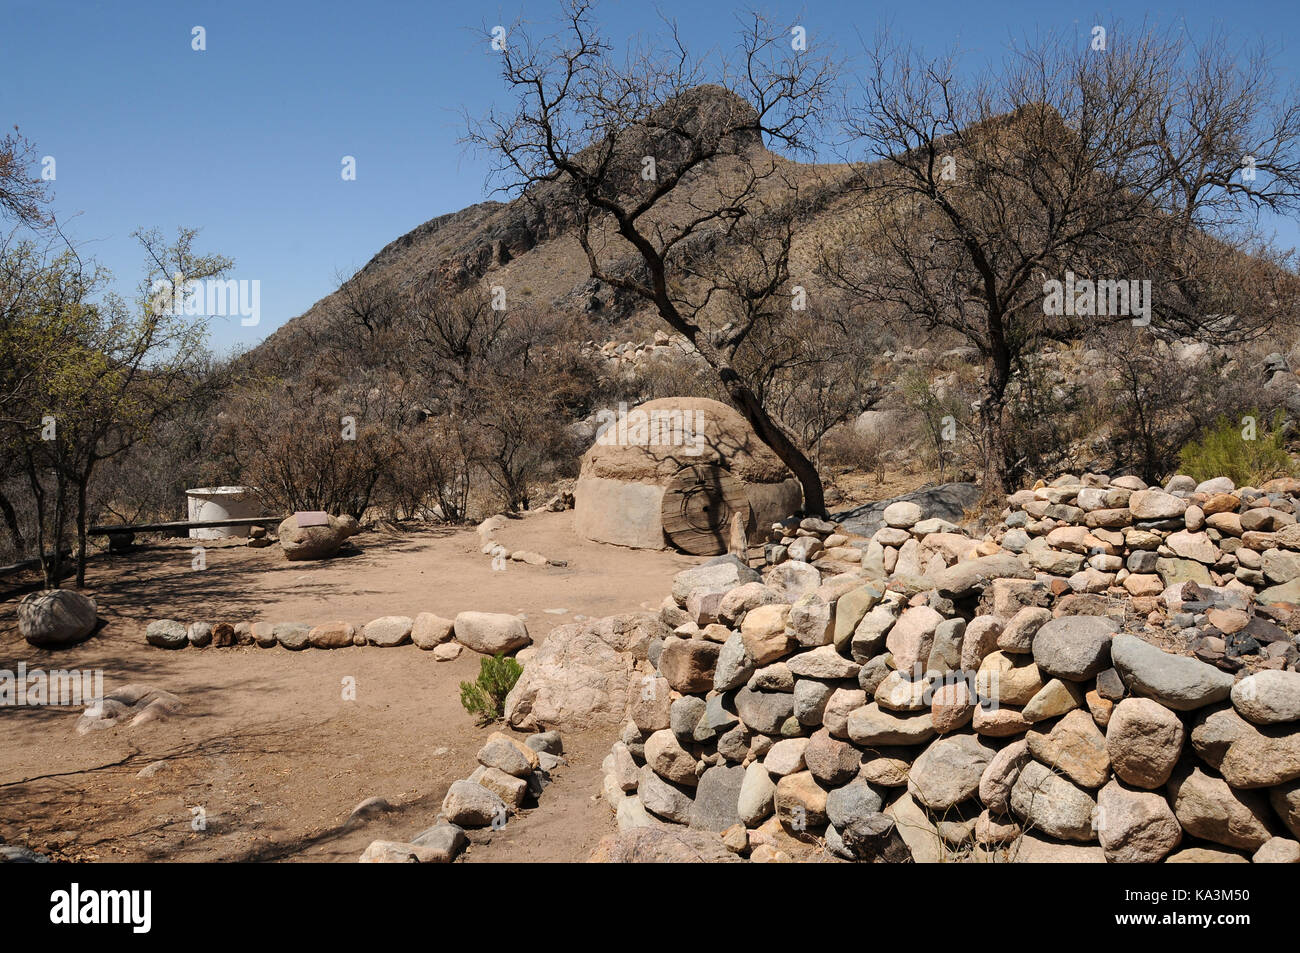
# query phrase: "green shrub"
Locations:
[[1224, 450], [485, 697]]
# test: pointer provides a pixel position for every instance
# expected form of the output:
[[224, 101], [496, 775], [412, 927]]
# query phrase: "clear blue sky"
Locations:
[[245, 140]]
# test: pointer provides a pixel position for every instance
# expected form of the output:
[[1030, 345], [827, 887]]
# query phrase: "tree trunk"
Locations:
[[11, 521], [745, 401], [81, 532], [997, 476]]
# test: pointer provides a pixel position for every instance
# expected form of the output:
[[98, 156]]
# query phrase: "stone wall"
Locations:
[[1109, 674]]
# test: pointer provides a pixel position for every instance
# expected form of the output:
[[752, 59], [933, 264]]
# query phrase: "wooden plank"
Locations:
[[698, 506], [183, 524]]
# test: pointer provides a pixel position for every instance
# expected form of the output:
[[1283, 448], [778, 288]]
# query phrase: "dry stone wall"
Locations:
[[1107, 675]]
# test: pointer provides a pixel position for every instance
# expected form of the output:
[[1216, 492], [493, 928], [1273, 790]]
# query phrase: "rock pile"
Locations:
[[131, 706], [1106, 541], [511, 775], [489, 633], [948, 697], [490, 546]]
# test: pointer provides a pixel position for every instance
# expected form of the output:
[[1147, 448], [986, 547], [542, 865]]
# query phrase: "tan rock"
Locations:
[[1073, 745]]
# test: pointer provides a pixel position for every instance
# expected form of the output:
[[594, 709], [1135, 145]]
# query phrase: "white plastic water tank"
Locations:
[[222, 503]]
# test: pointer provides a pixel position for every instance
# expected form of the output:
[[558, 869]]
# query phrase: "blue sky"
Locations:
[[246, 139]]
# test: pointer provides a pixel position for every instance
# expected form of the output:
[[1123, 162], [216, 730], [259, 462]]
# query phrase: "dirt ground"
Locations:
[[266, 746]]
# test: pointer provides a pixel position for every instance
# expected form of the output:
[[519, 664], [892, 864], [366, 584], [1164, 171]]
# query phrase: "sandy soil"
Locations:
[[266, 745]]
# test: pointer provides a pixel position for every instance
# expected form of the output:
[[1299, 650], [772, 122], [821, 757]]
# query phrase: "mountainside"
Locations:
[[529, 245]]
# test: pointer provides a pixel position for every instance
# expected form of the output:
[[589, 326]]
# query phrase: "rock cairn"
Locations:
[[490, 547], [511, 776], [488, 633], [1106, 676]]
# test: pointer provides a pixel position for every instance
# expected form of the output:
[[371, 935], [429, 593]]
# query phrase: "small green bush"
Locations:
[[1223, 450], [485, 697]]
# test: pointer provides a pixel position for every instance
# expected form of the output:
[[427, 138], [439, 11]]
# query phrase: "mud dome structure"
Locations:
[[675, 472]]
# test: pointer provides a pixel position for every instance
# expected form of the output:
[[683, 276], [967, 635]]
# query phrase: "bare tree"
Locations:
[[1144, 161], [23, 196], [677, 199]]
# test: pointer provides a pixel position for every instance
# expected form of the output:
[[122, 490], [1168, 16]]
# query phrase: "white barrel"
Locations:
[[221, 503]]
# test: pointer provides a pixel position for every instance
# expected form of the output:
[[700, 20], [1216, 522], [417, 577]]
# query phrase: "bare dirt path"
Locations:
[[266, 745]]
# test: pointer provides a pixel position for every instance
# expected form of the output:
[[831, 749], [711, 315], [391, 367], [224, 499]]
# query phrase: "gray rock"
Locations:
[[945, 653], [684, 715], [971, 575], [823, 663], [1176, 681], [764, 712], [664, 799], [501, 754], [734, 666], [717, 719], [717, 798], [948, 501], [948, 772], [853, 801], [446, 839], [810, 698], [166, 634], [547, 741], [717, 575], [871, 726], [1074, 648], [471, 805], [1052, 804], [292, 635], [756, 801], [389, 631], [1268, 697], [876, 838]]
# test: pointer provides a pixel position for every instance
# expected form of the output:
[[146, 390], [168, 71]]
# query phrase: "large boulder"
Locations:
[[313, 542], [53, 618], [575, 681], [947, 501], [491, 633]]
